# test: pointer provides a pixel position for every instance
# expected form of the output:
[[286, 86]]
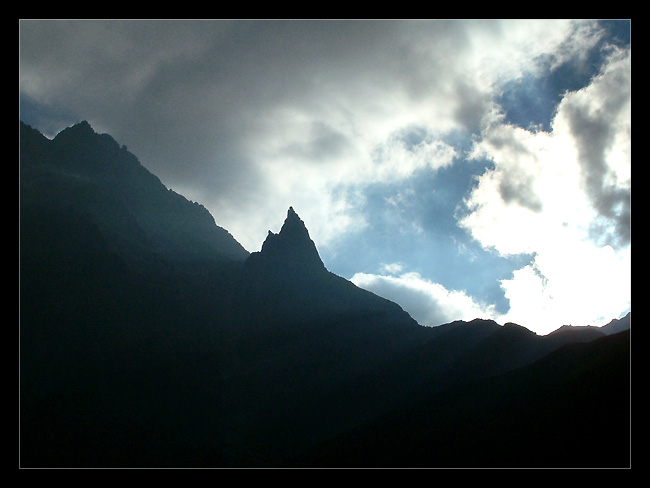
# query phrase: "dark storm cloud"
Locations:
[[322, 143], [472, 106], [198, 97], [519, 188], [516, 179], [188, 96], [594, 131], [137, 78]]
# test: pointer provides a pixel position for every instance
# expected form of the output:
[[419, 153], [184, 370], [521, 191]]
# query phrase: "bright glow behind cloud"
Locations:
[[552, 194]]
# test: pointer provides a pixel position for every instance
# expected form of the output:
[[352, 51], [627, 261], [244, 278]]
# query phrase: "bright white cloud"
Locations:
[[586, 285], [427, 302], [393, 160], [563, 195]]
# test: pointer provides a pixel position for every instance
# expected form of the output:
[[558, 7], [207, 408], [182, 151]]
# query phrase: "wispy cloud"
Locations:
[[427, 302]]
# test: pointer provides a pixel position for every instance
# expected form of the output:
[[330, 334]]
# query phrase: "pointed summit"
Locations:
[[81, 129], [101, 180], [81, 149], [84, 125], [291, 249], [294, 229], [287, 283]]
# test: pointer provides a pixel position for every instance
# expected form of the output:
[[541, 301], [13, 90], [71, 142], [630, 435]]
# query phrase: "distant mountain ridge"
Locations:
[[151, 338], [549, 414]]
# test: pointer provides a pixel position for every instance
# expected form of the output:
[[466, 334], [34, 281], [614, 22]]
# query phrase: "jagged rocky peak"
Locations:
[[82, 132], [292, 247], [84, 125], [294, 228], [105, 182], [81, 129]]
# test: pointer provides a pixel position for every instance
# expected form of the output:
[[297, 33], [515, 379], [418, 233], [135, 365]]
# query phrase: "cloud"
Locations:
[[427, 302], [599, 119], [563, 196], [392, 268], [249, 117], [585, 285]]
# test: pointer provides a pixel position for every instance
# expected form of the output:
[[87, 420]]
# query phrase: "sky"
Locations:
[[461, 168]]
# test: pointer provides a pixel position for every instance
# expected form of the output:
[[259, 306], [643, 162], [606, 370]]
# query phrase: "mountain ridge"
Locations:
[[502, 422], [292, 249], [149, 338], [89, 173]]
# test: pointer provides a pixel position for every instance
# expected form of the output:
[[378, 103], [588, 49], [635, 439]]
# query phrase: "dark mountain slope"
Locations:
[[90, 174], [303, 332], [569, 409], [119, 329], [513, 346], [287, 282], [455, 354], [149, 337], [124, 308], [617, 325], [589, 332]]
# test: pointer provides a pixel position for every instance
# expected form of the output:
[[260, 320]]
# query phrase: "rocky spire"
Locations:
[[291, 249], [81, 129]]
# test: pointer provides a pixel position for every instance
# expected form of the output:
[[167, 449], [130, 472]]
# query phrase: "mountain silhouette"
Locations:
[[302, 333], [288, 282], [92, 176], [291, 250], [530, 417], [150, 338]]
